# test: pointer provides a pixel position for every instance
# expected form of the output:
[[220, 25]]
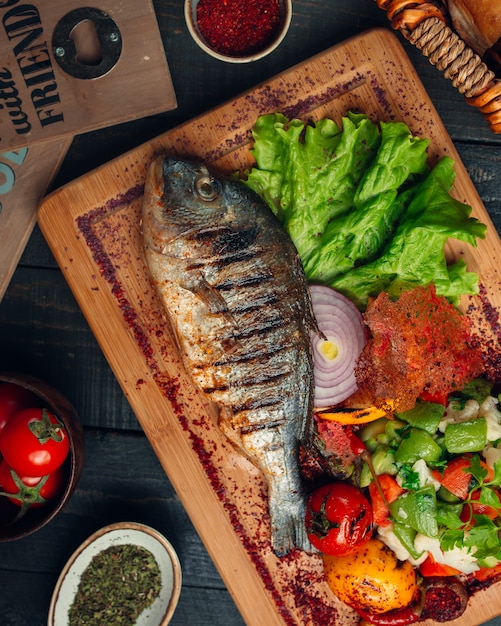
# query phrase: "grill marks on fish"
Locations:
[[235, 291]]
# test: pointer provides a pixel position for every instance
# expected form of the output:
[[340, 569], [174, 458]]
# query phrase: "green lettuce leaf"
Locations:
[[415, 255], [362, 207], [309, 174]]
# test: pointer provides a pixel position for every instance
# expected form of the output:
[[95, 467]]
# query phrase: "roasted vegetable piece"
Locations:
[[338, 519], [372, 579], [351, 415], [446, 599], [398, 617]]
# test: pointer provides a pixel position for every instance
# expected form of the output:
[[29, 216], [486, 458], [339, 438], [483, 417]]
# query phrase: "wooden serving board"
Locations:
[[25, 175], [91, 226]]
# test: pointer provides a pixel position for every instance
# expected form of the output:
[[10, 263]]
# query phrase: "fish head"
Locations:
[[182, 197]]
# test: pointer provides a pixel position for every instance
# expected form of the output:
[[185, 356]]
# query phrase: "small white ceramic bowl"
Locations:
[[190, 14], [160, 612]]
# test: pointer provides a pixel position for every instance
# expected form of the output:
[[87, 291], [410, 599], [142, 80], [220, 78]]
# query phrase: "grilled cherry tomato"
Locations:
[[13, 398], [338, 519], [34, 442], [29, 491]]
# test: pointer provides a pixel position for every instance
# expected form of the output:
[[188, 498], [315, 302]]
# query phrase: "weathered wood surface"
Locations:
[[43, 331]]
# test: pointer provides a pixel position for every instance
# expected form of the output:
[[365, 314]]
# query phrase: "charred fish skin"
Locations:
[[234, 289]]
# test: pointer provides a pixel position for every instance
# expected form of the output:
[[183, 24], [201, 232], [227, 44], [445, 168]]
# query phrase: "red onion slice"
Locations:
[[334, 360]]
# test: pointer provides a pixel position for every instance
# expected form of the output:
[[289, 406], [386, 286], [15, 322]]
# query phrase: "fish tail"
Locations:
[[288, 529]]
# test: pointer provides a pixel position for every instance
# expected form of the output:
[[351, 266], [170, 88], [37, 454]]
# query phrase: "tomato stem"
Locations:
[[27, 496], [45, 430]]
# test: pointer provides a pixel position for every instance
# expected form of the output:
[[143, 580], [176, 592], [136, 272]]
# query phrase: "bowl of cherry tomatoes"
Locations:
[[41, 454]]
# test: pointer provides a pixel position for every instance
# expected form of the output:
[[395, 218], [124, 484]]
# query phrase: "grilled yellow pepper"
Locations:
[[372, 579]]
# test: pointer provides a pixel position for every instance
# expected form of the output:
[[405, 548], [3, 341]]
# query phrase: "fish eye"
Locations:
[[205, 187]]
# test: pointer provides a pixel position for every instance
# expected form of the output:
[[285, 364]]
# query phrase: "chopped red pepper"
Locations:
[[457, 478], [474, 507], [357, 446], [391, 491], [430, 567], [440, 397], [487, 573]]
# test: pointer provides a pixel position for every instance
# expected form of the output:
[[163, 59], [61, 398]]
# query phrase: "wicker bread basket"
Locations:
[[427, 26]]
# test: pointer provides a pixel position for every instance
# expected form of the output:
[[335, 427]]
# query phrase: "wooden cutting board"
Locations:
[[92, 228]]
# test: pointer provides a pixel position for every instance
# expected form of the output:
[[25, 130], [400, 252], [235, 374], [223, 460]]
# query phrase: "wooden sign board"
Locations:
[[25, 174], [67, 68]]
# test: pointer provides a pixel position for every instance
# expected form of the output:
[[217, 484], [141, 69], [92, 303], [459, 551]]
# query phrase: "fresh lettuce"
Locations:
[[309, 175], [415, 254], [361, 205]]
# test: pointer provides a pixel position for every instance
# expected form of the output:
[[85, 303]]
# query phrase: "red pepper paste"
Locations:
[[238, 27]]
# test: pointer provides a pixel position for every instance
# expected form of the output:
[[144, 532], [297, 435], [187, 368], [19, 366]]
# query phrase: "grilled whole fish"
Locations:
[[234, 289]]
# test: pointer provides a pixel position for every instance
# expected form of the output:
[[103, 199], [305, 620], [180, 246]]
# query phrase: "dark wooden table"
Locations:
[[43, 332]]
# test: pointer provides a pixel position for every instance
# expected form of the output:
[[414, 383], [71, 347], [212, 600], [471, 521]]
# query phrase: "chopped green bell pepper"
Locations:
[[406, 536], [468, 436], [418, 444], [424, 415]]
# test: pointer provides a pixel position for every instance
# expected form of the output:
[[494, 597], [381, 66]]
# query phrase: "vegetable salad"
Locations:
[[442, 474]]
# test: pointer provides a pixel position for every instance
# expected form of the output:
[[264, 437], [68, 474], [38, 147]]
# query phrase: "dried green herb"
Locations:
[[117, 585]]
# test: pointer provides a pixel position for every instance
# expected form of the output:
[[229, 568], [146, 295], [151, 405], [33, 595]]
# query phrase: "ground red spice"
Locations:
[[238, 27], [419, 342]]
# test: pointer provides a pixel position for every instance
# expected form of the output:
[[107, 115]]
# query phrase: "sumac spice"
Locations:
[[238, 27]]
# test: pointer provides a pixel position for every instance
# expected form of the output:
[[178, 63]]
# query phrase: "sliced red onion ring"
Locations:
[[334, 360]]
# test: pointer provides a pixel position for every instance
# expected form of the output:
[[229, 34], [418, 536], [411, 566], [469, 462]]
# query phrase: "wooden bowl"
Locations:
[[190, 13], [36, 518], [157, 614]]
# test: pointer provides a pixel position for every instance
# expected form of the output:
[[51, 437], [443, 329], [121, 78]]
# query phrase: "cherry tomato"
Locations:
[[30, 491], [13, 398], [339, 519], [34, 442]]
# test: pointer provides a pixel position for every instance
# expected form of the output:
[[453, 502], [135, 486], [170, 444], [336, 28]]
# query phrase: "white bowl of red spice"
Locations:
[[125, 573], [238, 31]]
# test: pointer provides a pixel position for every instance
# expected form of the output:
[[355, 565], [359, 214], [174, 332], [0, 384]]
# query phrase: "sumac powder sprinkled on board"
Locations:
[[238, 27]]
